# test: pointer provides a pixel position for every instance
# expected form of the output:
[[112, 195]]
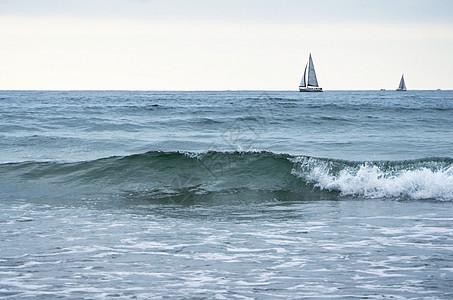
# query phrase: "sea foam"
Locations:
[[413, 180]]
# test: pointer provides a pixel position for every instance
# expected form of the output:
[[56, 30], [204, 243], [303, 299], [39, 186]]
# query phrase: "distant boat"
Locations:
[[309, 82], [402, 86]]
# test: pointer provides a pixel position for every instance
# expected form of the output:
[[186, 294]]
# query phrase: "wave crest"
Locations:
[[418, 179], [241, 174]]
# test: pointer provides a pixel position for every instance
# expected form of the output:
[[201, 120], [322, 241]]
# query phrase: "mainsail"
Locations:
[[312, 80], [402, 86]]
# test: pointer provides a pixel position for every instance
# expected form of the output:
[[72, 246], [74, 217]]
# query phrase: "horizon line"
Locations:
[[226, 90]]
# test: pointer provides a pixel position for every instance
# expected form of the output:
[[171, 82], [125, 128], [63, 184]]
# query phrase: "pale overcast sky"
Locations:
[[219, 45]]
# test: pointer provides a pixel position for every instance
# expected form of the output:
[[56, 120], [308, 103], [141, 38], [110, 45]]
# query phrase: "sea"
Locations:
[[226, 195]]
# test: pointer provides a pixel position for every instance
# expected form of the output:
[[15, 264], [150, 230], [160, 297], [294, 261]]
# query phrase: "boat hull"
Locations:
[[310, 89]]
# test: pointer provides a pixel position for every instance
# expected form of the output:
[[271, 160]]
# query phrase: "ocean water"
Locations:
[[226, 195]]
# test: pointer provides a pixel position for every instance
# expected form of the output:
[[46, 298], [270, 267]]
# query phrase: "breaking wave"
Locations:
[[160, 175], [430, 178]]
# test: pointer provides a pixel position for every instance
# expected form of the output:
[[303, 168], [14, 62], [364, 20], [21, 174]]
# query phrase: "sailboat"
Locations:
[[402, 86], [309, 82]]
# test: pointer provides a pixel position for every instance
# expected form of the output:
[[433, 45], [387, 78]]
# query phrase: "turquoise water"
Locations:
[[226, 194]]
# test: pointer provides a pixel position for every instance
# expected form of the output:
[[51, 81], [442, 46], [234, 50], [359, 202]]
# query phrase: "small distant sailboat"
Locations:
[[309, 82], [402, 86]]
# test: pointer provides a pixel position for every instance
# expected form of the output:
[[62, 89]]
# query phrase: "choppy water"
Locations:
[[226, 194]]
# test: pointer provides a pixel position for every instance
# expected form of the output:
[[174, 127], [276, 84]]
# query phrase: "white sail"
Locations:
[[303, 82], [403, 83], [312, 80], [402, 86]]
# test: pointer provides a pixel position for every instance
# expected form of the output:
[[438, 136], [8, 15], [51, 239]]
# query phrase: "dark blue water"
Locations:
[[226, 194]]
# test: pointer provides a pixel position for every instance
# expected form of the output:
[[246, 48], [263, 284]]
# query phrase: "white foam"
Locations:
[[370, 181]]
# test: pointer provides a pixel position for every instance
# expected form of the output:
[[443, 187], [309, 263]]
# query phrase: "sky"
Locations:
[[224, 45]]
